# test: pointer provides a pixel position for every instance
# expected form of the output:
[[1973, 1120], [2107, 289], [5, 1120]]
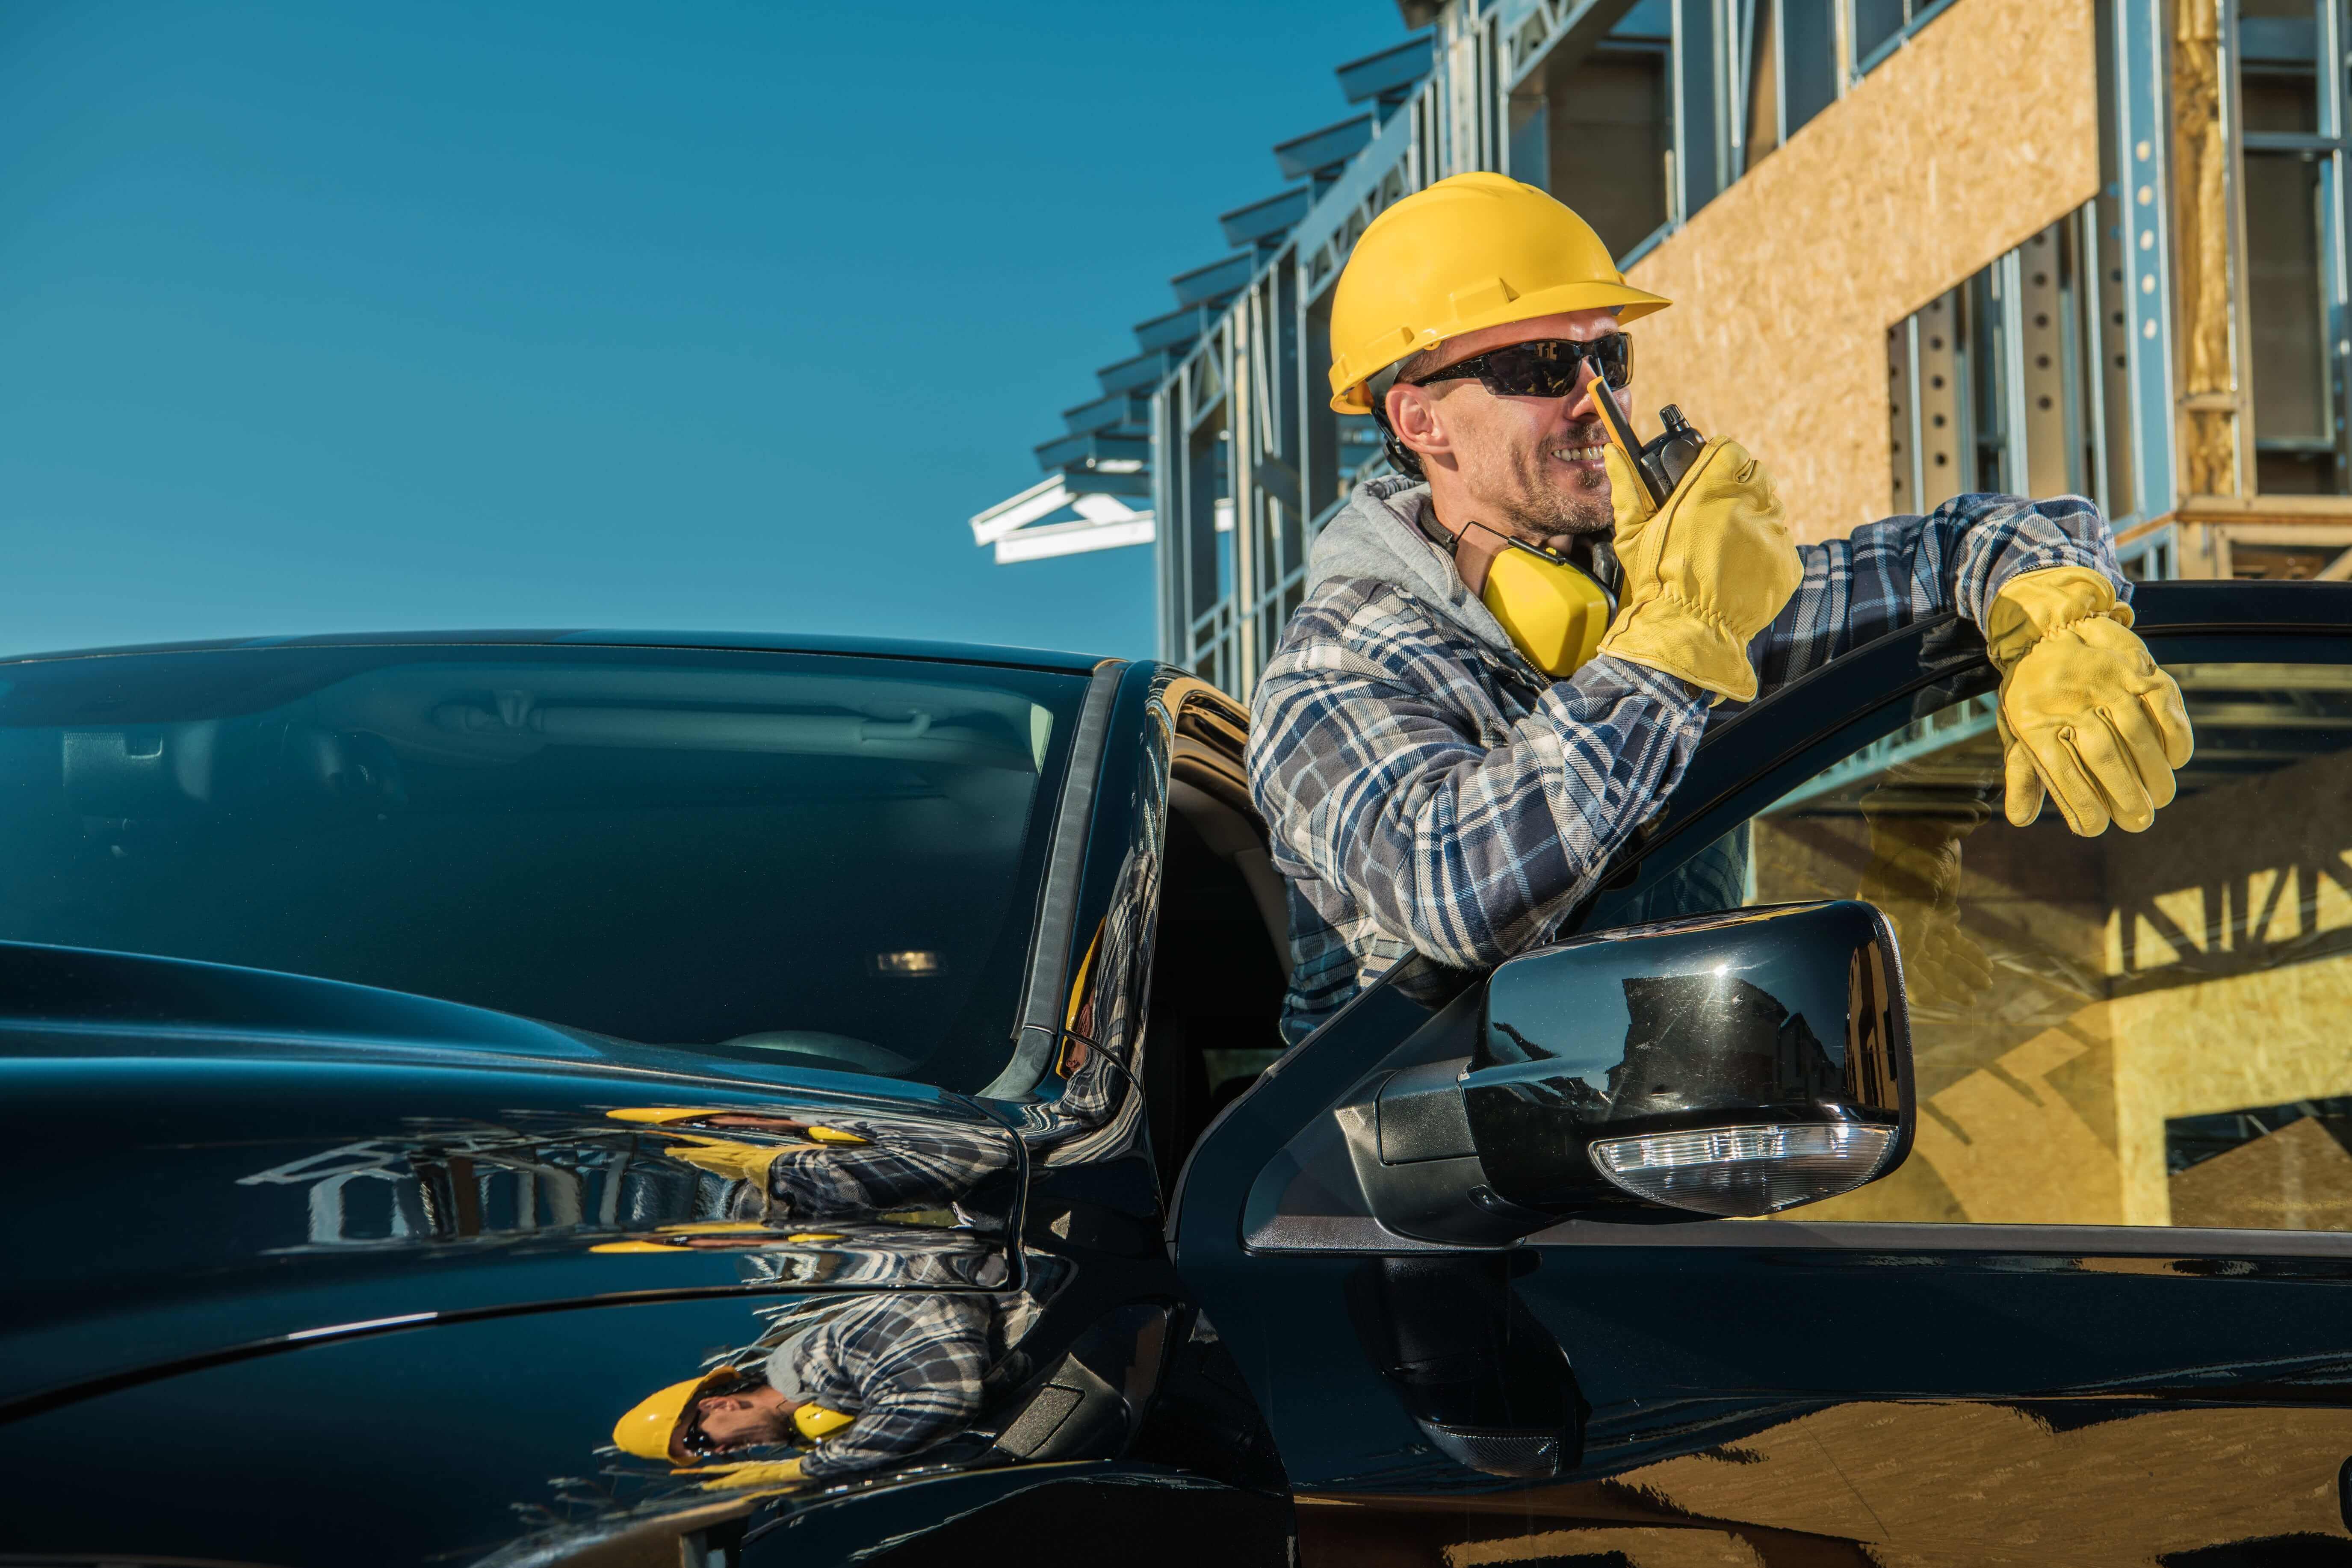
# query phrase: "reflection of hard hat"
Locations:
[[656, 1428], [1474, 251], [650, 1430], [663, 1115]]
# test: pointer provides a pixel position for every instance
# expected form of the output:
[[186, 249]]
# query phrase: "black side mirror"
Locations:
[[1735, 1064]]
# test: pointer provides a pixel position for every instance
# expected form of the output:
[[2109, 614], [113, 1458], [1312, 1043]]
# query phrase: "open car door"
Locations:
[[2095, 1314]]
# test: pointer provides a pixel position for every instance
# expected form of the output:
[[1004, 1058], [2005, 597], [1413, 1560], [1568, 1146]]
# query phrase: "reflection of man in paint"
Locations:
[[836, 1168], [860, 1388], [846, 1253]]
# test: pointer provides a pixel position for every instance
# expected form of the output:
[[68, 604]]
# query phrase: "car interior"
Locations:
[[1223, 954]]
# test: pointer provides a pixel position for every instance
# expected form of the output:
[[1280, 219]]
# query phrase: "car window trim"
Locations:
[[1037, 1028]]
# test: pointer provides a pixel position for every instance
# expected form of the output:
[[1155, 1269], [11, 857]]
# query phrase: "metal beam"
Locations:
[[1072, 538]]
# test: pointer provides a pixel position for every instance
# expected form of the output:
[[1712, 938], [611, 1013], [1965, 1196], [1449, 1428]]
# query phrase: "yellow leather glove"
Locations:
[[2084, 711], [750, 1473], [724, 1157], [1914, 876], [1703, 574]]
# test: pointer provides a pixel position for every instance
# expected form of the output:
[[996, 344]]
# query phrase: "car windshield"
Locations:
[[827, 860]]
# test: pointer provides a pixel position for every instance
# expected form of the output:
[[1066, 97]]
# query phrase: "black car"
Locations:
[[535, 1099]]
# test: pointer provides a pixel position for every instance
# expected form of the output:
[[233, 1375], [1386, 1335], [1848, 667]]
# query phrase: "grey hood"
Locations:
[[1377, 536]]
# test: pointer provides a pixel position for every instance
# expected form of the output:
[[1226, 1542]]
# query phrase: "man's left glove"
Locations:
[[2084, 711], [753, 1473]]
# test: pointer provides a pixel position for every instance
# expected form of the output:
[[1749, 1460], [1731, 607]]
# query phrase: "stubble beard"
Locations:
[[1545, 508]]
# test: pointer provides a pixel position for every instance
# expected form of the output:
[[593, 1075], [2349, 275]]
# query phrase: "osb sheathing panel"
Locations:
[[1981, 132]]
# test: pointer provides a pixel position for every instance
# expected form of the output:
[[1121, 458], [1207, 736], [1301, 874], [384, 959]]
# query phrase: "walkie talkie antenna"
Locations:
[[1621, 431]]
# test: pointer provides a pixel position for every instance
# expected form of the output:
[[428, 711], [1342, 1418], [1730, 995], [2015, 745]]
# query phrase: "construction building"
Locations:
[[1915, 247]]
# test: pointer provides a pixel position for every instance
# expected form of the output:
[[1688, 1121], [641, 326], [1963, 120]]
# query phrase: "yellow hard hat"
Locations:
[[647, 1429], [1474, 251]]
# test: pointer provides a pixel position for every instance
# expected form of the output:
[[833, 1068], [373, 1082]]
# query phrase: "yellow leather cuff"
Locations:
[[1686, 646], [2033, 604]]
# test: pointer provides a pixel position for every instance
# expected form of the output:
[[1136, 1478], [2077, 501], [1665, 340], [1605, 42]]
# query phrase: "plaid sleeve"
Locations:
[[1464, 851], [913, 1365], [1887, 574]]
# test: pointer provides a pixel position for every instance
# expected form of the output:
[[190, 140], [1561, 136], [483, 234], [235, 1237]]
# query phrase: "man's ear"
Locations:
[[1412, 414]]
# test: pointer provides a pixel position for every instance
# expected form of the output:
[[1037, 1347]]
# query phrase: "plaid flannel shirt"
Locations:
[[906, 1365], [1430, 792]]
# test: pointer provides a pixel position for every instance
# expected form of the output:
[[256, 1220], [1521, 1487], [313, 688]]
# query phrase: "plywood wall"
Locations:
[[1981, 132]]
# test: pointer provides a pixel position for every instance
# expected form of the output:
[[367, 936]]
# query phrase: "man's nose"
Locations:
[[1580, 402]]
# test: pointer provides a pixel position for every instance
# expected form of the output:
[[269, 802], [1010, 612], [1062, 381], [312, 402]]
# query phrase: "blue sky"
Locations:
[[722, 315]]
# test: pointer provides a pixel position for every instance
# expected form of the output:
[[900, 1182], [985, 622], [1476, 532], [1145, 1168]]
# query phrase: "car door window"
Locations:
[[2140, 1029]]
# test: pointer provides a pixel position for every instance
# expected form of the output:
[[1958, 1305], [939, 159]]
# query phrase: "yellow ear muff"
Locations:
[[1554, 612], [815, 1422]]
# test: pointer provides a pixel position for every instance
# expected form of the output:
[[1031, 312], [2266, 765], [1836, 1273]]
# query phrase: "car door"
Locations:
[[2098, 1315]]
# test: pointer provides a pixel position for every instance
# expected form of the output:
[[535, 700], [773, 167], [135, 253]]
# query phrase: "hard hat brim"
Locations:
[[663, 1115], [1631, 304]]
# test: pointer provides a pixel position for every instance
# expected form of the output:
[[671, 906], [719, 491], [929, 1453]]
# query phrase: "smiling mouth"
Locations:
[[1581, 454]]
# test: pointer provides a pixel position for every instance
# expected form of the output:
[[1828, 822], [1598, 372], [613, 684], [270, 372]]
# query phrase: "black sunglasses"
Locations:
[[1546, 367]]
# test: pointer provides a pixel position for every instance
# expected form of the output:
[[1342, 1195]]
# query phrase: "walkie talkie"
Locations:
[[1661, 463]]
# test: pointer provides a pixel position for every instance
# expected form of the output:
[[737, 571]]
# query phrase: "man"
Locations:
[[858, 1387], [1506, 654]]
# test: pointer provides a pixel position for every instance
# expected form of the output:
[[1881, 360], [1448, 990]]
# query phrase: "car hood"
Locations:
[[198, 1158]]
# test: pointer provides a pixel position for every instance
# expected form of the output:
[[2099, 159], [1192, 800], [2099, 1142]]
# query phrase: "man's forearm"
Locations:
[[1887, 574]]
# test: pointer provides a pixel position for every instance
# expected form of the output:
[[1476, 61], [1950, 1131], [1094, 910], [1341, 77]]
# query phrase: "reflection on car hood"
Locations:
[[201, 1157]]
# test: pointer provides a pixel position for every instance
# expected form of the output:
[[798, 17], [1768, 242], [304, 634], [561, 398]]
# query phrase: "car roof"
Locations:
[[760, 642]]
